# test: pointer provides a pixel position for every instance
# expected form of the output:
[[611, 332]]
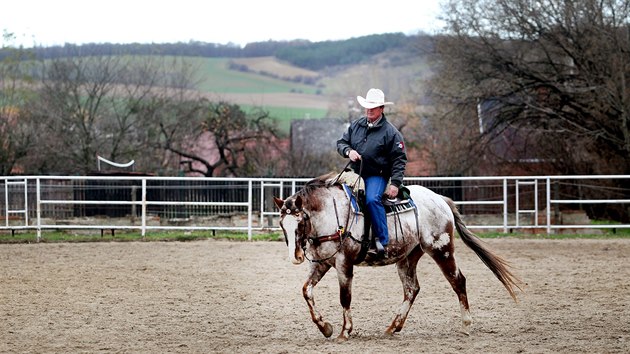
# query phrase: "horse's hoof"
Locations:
[[466, 324], [465, 331], [341, 338], [327, 331]]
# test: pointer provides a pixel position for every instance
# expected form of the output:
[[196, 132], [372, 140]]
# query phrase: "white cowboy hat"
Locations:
[[374, 98]]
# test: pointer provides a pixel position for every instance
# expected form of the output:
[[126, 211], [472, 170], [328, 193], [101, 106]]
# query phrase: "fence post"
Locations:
[[39, 209], [505, 206], [250, 201], [144, 208], [548, 205]]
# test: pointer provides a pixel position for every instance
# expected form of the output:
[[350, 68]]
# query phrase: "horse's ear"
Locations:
[[279, 202], [298, 202]]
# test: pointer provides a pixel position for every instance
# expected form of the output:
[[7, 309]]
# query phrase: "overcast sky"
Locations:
[[55, 22]]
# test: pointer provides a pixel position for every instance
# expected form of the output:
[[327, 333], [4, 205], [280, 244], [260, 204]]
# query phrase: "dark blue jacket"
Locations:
[[381, 147]]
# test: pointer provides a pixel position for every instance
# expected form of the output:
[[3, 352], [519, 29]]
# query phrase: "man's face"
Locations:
[[373, 113]]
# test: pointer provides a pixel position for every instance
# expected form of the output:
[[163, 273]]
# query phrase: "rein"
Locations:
[[342, 171]]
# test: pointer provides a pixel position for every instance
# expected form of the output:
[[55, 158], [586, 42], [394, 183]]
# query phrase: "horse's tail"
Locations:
[[499, 266]]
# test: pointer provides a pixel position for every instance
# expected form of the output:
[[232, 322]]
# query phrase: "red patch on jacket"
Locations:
[[401, 145]]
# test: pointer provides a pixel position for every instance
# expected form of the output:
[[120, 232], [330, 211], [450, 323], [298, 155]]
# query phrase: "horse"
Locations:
[[323, 223]]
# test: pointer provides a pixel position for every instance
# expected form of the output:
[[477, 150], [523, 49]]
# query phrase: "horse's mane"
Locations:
[[333, 178], [318, 182]]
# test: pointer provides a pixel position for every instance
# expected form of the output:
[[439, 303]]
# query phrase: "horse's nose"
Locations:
[[298, 257]]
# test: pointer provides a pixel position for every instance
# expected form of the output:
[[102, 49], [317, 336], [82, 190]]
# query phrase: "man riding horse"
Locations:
[[321, 224], [377, 153]]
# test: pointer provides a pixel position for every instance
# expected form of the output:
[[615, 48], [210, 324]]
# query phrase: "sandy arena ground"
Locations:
[[245, 297]]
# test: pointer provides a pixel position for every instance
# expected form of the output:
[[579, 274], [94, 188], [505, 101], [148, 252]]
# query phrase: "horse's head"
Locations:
[[295, 224]]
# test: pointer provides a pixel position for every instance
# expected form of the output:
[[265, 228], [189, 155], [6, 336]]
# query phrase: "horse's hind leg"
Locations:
[[445, 259], [411, 287], [318, 270]]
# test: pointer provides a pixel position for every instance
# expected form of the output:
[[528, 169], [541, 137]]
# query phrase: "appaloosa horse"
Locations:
[[322, 223]]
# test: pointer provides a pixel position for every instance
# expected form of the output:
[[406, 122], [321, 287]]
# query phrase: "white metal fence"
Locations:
[[548, 204]]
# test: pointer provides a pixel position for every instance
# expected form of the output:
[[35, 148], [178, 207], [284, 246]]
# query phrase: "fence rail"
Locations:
[[548, 204]]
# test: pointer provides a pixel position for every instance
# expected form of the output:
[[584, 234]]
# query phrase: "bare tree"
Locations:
[[547, 78], [301, 163], [90, 106], [220, 139], [16, 133]]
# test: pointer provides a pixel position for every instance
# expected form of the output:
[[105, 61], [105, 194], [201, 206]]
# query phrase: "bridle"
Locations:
[[304, 227]]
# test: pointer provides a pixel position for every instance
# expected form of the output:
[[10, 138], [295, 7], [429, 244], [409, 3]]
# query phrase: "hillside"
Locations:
[[275, 67], [284, 99], [266, 75], [332, 91]]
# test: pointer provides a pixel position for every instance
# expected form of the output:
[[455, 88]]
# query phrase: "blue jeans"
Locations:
[[374, 189]]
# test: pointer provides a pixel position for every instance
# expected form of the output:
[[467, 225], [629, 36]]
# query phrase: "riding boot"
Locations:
[[379, 248]]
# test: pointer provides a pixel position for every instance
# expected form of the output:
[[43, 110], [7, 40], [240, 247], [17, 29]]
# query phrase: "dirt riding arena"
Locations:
[[245, 297]]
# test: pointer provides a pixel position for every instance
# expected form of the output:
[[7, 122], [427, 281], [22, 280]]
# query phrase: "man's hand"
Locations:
[[354, 156], [392, 192]]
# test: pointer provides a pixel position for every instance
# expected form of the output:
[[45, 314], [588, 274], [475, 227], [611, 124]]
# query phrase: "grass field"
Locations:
[[217, 77], [284, 100], [284, 115]]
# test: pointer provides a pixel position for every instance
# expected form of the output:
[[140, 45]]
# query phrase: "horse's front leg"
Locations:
[[318, 270], [411, 287], [344, 275]]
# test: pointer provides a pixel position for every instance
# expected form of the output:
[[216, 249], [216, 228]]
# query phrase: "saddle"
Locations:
[[401, 203]]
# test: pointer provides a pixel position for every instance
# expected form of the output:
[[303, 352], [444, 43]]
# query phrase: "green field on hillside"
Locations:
[[218, 80], [284, 115], [250, 90], [216, 77], [286, 100]]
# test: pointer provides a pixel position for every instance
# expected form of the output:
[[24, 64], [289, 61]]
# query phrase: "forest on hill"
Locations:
[[301, 53]]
